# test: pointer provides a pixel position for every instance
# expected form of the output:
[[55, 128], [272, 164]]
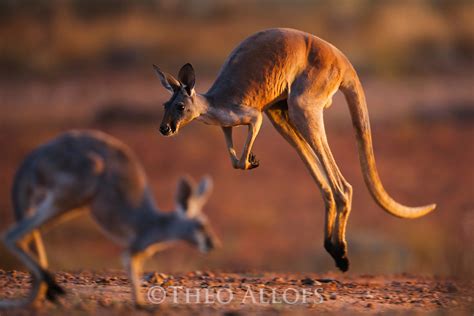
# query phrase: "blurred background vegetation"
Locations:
[[381, 37], [87, 64]]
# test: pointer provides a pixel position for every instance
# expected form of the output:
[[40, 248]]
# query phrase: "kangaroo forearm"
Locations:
[[252, 134], [254, 128], [229, 142]]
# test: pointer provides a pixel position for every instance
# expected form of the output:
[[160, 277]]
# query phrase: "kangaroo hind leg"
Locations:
[[17, 240], [307, 117], [279, 116]]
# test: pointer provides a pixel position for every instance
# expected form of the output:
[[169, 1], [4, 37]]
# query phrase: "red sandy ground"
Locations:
[[108, 292]]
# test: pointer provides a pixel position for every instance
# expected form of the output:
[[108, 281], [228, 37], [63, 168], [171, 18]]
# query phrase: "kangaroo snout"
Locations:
[[211, 241], [207, 246], [165, 130]]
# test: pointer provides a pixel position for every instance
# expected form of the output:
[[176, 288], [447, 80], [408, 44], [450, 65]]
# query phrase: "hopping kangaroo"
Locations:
[[91, 169], [291, 76]]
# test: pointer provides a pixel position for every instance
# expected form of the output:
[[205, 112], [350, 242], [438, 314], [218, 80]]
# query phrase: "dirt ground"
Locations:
[[269, 219], [108, 292]]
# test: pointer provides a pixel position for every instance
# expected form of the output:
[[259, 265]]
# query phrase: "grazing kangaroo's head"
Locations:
[[191, 224], [183, 105]]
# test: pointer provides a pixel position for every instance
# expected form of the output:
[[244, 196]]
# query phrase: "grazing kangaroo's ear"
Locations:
[[184, 193], [201, 194], [167, 80], [187, 78], [204, 188]]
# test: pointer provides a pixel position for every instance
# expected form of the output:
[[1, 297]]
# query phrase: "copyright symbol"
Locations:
[[156, 295]]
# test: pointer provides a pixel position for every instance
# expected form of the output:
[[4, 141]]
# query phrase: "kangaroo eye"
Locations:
[[180, 107]]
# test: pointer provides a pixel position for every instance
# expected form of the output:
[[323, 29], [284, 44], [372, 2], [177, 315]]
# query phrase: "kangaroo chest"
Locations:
[[229, 115]]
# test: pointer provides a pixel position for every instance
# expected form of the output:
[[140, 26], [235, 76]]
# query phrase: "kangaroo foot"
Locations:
[[54, 289]]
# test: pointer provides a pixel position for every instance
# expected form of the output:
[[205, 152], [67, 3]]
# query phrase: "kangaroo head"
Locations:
[[183, 105], [195, 227]]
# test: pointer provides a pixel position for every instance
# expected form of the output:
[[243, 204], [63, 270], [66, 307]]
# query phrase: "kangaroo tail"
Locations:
[[355, 98]]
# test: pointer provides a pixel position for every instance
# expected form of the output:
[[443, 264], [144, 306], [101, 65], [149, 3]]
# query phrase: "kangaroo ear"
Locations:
[[204, 188], [184, 194], [187, 77], [201, 194], [167, 80]]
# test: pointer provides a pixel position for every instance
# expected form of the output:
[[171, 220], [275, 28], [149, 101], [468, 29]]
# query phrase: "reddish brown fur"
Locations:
[[291, 76]]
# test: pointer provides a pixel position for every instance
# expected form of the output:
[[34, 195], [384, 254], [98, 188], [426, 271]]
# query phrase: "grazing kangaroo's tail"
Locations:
[[355, 97]]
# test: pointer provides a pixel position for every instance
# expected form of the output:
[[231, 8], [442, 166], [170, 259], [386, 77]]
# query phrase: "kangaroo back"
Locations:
[[71, 164]]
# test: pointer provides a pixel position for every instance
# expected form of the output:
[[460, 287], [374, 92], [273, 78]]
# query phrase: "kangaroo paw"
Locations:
[[254, 162]]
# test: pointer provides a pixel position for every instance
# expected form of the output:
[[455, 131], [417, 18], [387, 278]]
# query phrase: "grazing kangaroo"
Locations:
[[91, 169], [291, 76]]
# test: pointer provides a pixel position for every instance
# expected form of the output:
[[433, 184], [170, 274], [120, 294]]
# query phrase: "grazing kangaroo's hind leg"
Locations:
[[33, 245], [308, 119], [39, 287], [17, 240], [278, 115], [37, 247]]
